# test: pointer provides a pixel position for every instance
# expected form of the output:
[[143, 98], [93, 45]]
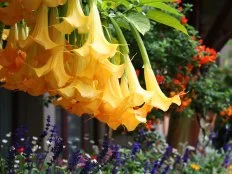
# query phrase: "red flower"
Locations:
[[137, 72], [200, 41], [20, 150], [159, 78], [149, 124], [180, 9], [184, 20], [178, 1], [190, 67], [176, 82]]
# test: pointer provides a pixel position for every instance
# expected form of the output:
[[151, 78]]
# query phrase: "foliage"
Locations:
[[148, 153]]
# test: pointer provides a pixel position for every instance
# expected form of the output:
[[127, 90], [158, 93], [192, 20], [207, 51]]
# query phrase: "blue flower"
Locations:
[[73, 160], [135, 148], [166, 170], [105, 148], [58, 147], [186, 155], [166, 154], [154, 169], [146, 168]]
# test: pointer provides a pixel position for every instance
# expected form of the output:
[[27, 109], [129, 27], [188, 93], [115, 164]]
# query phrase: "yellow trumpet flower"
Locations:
[[12, 58], [119, 106], [54, 70], [80, 90], [159, 99], [133, 117], [55, 35], [140, 95], [79, 108], [96, 45], [75, 19], [40, 33]]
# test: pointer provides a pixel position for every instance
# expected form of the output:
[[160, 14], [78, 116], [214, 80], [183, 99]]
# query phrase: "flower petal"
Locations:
[[75, 19], [159, 99], [40, 32]]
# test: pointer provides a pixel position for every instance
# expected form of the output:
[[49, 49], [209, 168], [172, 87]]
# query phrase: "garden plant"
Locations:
[[127, 63]]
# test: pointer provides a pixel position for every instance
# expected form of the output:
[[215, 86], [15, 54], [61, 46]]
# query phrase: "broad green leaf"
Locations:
[[166, 19], [140, 21], [151, 1], [114, 4], [123, 23], [165, 7]]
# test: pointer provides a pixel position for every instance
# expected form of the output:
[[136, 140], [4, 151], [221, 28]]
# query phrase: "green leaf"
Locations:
[[165, 7], [145, 2], [166, 19], [114, 4], [140, 21]]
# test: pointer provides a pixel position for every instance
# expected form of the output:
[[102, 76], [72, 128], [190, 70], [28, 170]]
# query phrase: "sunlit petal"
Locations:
[[96, 45], [40, 32], [80, 90], [159, 99], [75, 19], [54, 70]]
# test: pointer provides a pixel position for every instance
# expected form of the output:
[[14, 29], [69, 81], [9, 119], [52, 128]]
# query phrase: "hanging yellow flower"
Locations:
[[96, 45], [159, 99], [40, 33], [75, 19]]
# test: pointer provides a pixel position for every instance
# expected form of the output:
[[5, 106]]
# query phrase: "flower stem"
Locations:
[[122, 41], [140, 43]]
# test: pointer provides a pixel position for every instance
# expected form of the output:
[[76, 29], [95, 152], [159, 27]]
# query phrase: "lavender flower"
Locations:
[[40, 157], [166, 170], [227, 147], [105, 148], [116, 155], [135, 148], [73, 160], [226, 161], [154, 169], [167, 153], [177, 160], [58, 147], [146, 167], [186, 155], [115, 170], [88, 166], [47, 127]]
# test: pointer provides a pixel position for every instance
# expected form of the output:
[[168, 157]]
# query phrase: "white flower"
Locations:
[[8, 135], [94, 160], [91, 141], [4, 141], [35, 148], [35, 138]]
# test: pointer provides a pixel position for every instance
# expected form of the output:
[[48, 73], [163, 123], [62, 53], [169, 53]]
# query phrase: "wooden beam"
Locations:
[[213, 32]]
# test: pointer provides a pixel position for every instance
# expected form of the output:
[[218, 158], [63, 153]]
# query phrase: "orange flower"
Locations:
[[184, 20], [178, 1], [159, 78], [149, 124], [190, 67]]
